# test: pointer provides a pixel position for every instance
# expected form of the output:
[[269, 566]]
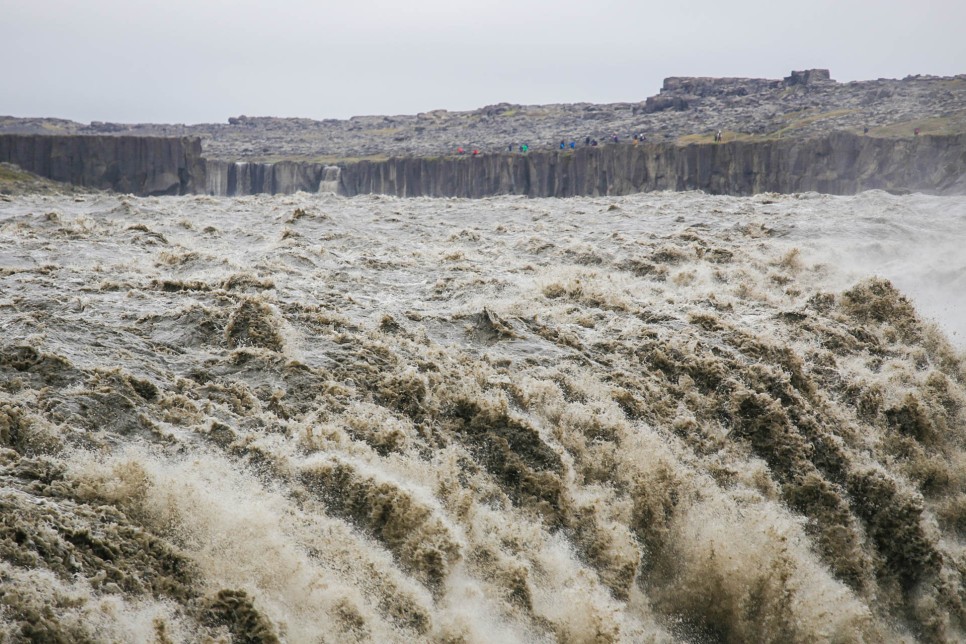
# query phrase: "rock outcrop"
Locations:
[[803, 132], [807, 77], [136, 164], [841, 163], [805, 104], [225, 178]]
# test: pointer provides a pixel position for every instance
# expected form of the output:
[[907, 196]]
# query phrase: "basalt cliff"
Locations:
[[839, 163], [720, 135], [143, 165]]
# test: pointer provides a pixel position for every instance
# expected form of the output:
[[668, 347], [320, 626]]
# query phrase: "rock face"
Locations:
[[225, 178], [135, 164], [803, 132], [807, 77], [838, 164]]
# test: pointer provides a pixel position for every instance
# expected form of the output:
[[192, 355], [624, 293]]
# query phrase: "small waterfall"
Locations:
[[330, 179]]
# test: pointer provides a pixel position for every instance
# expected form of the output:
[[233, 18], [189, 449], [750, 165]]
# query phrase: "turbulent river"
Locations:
[[665, 417]]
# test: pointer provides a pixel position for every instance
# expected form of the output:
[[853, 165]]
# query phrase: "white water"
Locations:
[[482, 420]]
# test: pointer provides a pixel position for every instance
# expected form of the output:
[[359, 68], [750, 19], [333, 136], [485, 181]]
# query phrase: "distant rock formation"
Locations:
[[840, 163], [805, 104], [133, 164], [798, 133], [225, 178], [807, 77]]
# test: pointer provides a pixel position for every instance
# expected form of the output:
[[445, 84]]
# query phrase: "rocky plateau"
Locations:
[[687, 109]]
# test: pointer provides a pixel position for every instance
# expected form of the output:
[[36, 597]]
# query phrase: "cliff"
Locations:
[[228, 178], [134, 164], [840, 163]]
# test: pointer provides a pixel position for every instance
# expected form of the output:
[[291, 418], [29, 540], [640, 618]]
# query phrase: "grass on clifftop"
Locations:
[[954, 123], [795, 121], [727, 136], [323, 159], [799, 120], [384, 131]]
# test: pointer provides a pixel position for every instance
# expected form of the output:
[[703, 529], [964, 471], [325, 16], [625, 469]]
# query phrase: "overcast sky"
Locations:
[[193, 61]]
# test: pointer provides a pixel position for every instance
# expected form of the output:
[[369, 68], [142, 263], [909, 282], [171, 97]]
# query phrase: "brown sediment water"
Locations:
[[668, 417]]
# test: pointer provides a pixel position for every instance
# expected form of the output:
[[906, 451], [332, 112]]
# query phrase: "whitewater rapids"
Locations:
[[665, 417]]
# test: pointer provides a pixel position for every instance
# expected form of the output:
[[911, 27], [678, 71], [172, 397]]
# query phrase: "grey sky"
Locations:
[[191, 61]]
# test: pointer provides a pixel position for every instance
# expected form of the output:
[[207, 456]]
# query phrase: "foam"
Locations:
[[305, 418]]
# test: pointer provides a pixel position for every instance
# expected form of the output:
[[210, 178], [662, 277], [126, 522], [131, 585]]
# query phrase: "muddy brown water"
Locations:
[[665, 417]]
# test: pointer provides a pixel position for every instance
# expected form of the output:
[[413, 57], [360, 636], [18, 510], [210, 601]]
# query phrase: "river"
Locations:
[[667, 417]]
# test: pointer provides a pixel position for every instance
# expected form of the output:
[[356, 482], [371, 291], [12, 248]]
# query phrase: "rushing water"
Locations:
[[666, 417]]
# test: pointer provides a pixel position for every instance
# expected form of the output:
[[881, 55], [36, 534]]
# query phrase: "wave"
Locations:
[[666, 417]]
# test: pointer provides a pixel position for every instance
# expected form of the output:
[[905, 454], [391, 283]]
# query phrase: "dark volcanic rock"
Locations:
[[807, 77], [661, 103], [837, 164], [140, 165]]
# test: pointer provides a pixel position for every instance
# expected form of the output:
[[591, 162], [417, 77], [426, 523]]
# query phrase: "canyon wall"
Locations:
[[228, 178], [140, 165], [838, 163]]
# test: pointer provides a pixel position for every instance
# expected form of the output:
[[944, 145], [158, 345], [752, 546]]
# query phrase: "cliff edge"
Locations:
[[139, 165], [840, 163]]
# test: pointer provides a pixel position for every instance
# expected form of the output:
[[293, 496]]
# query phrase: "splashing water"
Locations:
[[665, 417]]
